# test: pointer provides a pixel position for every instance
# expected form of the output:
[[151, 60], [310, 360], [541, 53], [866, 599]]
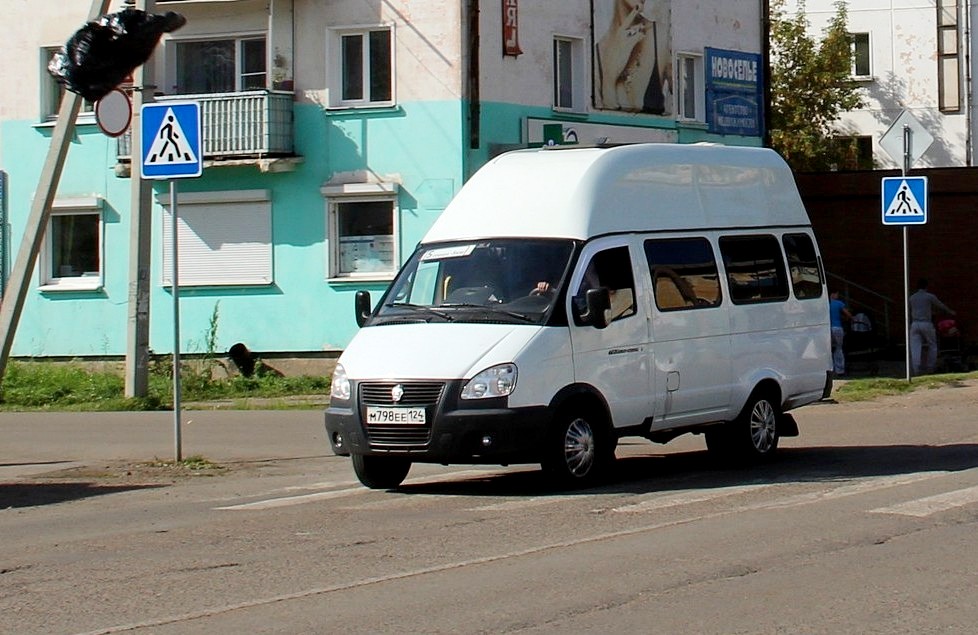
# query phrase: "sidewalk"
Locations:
[[38, 442]]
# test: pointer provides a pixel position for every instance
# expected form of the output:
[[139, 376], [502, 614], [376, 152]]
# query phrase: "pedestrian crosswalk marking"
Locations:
[[170, 144], [904, 203]]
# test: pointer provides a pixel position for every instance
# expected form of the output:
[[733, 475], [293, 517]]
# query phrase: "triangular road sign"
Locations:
[[904, 202], [170, 145]]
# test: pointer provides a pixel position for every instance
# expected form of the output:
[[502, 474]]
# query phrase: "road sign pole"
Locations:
[[907, 147], [174, 281]]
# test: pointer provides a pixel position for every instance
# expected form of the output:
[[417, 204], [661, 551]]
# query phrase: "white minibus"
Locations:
[[569, 297]]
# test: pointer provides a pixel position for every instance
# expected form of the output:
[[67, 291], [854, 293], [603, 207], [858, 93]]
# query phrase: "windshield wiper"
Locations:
[[420, 308], [492, 308]]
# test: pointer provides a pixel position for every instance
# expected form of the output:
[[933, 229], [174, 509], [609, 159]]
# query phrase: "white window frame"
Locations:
[[90, 281], [577, 74], [869, 53], [337, 195], [697, 86], [335, 71], [224, 239], [170, 53], [52, 90]]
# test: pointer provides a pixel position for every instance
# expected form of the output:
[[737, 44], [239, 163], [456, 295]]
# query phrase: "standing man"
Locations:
[[922, 333], [838, 311]]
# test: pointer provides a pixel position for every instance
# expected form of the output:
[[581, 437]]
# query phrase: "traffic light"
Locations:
[[101, 54]]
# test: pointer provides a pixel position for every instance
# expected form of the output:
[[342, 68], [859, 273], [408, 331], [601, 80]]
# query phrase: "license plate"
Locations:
[[409, 416]]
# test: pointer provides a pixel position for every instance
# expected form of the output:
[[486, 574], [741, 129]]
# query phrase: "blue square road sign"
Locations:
[[904, 200], [171, 140]]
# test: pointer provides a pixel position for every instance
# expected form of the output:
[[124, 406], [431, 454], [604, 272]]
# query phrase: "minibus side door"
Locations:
[[613, 359]]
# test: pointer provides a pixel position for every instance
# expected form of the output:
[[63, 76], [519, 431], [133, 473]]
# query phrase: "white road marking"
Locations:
[[687, 497], [922, 507], [524, 503], [288, 501]]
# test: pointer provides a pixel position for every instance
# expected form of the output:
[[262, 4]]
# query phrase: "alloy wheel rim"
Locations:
[[579, 448], [763, 426]]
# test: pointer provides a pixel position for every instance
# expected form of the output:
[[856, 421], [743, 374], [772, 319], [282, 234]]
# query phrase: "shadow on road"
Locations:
[[699, 470], [35, 494]]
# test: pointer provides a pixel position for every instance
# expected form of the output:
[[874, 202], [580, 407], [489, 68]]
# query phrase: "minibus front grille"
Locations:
[[422, 394]]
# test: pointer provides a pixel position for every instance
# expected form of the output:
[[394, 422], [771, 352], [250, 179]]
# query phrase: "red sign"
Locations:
[[511, 29]]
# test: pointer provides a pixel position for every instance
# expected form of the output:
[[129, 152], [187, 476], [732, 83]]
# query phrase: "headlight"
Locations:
[[497, 381], [340, 387]]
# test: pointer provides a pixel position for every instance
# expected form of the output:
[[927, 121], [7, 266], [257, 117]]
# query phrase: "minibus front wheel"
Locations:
[[380, 472], [579, 448]]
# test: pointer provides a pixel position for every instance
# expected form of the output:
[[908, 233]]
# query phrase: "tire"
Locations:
[[380, 472], [580, 449], [751, 437]]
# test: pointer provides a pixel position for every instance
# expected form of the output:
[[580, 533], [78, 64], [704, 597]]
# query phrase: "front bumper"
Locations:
[[491, 435]]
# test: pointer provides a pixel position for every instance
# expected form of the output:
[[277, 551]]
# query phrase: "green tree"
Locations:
[[811, 85]]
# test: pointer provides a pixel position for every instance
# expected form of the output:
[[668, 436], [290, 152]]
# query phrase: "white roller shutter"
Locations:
[[224, 238]]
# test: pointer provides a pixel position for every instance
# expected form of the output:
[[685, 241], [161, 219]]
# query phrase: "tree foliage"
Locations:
[[811, 85]]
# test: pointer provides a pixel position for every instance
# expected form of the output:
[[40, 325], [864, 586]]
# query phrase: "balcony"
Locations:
[[247, 128]]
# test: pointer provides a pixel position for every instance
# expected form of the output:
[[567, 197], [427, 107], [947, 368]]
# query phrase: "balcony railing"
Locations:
[[252, 124]]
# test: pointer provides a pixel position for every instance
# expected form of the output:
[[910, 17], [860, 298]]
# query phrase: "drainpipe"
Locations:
[[968, 96], [470, 83], [766, 60]]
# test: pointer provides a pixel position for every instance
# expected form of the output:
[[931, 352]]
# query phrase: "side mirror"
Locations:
[[362, 307], [598, 301]]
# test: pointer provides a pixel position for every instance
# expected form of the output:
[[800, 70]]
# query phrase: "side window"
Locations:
[[612, 269], [806, 277], [684, 273], [755, 269]]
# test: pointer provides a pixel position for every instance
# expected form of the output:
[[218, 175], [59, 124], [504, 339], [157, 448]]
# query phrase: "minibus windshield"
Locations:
[[508, 280]]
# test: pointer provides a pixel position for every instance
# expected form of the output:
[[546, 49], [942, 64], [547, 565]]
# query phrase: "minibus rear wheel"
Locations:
[[753, 435], [579, 448], [380, 472]]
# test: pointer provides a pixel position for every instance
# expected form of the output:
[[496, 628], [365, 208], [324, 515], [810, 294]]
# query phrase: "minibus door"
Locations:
[[613, 359]]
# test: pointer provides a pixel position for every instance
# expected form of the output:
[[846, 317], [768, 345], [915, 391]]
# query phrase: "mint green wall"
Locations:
[[419, 143]]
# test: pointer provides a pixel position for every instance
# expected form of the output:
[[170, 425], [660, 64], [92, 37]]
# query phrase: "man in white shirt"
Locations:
[[922, 333]]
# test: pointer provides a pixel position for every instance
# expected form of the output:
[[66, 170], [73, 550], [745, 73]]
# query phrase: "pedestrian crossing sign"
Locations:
[[905, 200], [171, 140]]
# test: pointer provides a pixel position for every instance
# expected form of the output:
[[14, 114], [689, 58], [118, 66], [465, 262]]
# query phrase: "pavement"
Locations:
[[34, 443]]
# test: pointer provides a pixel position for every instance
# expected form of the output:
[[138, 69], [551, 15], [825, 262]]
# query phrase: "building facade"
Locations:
[[914, 56], [334, 133]]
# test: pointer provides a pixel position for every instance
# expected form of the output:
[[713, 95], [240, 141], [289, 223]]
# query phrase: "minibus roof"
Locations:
[[580, 193]]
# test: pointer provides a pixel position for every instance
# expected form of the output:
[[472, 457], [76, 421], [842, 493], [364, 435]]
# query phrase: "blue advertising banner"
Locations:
[[734, 92]]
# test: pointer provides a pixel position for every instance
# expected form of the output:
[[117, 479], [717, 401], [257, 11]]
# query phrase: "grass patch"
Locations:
[[873, 387], [70, 387], [195, 463]]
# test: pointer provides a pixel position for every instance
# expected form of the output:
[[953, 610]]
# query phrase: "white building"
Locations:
[[912, 55]]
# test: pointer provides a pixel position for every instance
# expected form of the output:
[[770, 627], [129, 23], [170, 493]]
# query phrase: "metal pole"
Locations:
[[907, 145], [140, 235], [176, 324]]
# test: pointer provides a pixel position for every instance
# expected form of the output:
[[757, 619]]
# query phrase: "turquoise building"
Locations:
[[334, 134]]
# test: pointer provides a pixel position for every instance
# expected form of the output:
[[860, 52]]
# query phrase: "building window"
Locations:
[[859, 46], [948, 59], [220, 66], [362, 223], [857, 152], [691, 87], [568, 67], [362, 68], [71, 256], [224, 238], [52, 92]]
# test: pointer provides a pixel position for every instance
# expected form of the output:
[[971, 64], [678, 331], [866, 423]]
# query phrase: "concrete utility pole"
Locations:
[[37, 221], [140, 234]]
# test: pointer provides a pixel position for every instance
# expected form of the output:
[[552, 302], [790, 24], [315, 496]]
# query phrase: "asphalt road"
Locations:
[[866, 523]]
